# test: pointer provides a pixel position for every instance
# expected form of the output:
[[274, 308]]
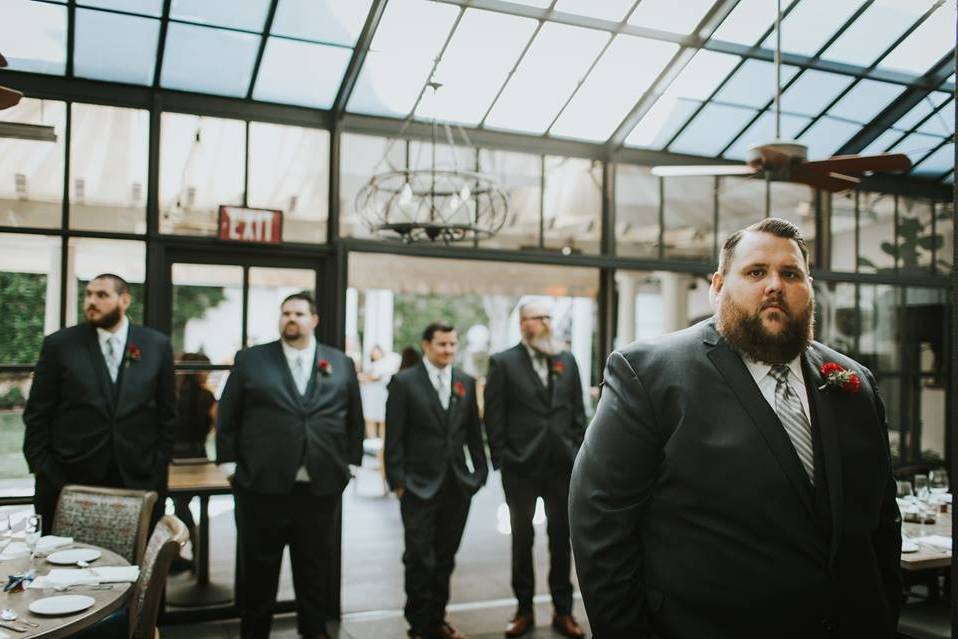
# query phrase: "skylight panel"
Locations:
[[826, 136], [248, 14], [470, 82], [115, 47], [926, 45], [938, 163], [921, 110], [665, 16], [280, 81], [708, 133], [613, 87], [746, 23], [614, 10], [811, 23], [753, 84], [152, 8], [763, 130], [917, 145], [865, 100], [941, 123], [34, 36], [208, 60], [330, 21], [813, 91], [883, 141], [693, 85], [556, 60], [875, 30]]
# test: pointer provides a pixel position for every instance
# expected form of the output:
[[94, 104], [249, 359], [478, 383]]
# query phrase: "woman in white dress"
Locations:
[[374, 380]]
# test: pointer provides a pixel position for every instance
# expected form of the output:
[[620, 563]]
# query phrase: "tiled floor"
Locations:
[[372, 590]]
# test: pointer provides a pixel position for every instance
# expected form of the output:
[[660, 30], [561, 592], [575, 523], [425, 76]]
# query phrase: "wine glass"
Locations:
[[6, 531], [922, 489], [904, 490], [938, 481], [32, 531]]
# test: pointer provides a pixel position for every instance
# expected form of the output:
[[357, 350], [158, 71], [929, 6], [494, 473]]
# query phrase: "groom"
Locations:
[[736, 479]]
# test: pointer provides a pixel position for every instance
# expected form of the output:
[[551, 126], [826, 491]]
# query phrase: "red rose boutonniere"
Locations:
[[841, 378], [133, 353], [459, 389], [557, 368], [324, 367]]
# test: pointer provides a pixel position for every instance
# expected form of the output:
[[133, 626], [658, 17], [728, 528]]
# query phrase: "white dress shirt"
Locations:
[[766, 383], [119, 336], [540, 364], [441, 378]]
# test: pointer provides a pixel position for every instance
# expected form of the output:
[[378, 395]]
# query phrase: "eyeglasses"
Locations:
[[541, 318]]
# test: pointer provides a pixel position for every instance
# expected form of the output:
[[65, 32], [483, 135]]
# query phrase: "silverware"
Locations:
[[10, 626], [9, 614]]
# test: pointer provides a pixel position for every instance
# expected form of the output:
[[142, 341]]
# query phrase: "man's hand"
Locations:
[[399, 492]]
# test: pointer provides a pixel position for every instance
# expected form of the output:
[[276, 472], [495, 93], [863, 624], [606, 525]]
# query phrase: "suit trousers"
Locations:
[[521, 495], [433, 529], [265, 525]]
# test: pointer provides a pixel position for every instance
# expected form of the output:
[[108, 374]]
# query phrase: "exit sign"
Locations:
[[262, 226]]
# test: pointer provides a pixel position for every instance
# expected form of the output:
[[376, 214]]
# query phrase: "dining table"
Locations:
[[927, 556], [107, 598]]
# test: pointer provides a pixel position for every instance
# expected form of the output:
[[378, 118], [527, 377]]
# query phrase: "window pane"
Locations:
[[941, 123], [362, 157], [208, 60], [556, 60], [653, 303], [663, 15], [636, 212], [938, 163], [709, 132], [753, 84], [865, 100], [917, 145], [519, 176], [332, 21], [826, 136], [249, 15], [877, 235], [926, 45], [604, 100], [278, 82], [31, 171], [922, 110], [747, 22], [810, 25], [108, 157], [289, 171], [916, 238], [872, 32], [689, 217], [763, 130], [838, 322], [144, 7], [813, 91], [90, 257], [115, 47], [614, 10], [471, 82], [268, 287], [796, 203], [879, 342], [741, 203], [943, 228], [207, 310], [572, 204], [842, 256], [883, 141], [201, 167], [15, 477], [29, 295], [34, 36]]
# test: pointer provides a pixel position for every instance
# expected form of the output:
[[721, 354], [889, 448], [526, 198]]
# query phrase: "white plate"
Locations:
[[72, 555], [908, 546], [61, 605]]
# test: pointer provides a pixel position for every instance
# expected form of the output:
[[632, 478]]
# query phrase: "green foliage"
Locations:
[[22, 298], [192, 302], [913, 236], [412, 313], [13, 398]]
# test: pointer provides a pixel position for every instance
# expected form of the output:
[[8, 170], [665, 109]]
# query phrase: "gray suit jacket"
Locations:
[[692, 517], [270, 430]]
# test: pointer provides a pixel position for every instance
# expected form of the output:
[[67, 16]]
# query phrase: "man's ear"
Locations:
[[716, 285]]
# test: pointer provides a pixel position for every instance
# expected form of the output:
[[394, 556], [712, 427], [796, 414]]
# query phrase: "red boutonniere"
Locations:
[[324, 367], [459, 389], [557, 368], [841, 378], [133, 353]]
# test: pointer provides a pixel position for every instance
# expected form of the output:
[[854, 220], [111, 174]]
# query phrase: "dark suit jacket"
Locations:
[[424, 442], [270, 430], [525, 420], [78, 422], [691, 514]]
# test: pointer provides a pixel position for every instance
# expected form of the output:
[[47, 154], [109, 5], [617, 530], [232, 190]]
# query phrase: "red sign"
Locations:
[[262, 226]]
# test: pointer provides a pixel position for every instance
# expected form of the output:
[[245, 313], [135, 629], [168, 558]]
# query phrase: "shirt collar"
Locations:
[[292, 352], [121, 331], [433, 370], [759, 370]]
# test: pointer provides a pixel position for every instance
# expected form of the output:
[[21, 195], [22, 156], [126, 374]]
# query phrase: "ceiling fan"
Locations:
[[8, 97], [787, 160]]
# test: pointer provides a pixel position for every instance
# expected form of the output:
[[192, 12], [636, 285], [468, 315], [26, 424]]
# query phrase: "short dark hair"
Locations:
[[773, 225], [301, 295], [119, 284], [436, 327]]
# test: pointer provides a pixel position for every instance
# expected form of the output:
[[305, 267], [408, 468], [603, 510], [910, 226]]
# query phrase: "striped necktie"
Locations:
[[789, 409]]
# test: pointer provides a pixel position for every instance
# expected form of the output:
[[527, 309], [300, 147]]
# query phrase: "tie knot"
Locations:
[[779, 372]]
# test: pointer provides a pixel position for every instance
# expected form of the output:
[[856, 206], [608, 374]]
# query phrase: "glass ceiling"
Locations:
[[858, 76]]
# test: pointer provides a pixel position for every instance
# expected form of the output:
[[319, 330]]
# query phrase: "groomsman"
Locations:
[[102, 406], [435, 462], [535, 422], [290, 423]]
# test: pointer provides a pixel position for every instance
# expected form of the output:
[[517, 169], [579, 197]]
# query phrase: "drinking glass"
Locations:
[[922, 490], [32, 531], [904, 490], [6, 531], [938, 481]]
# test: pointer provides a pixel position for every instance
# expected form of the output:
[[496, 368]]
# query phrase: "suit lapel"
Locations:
[[823, 411], [430, 391], [733, 369], [98, 363], [541, 391]]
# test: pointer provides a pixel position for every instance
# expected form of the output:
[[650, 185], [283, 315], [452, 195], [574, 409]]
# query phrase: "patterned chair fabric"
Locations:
[[113, 518], [165, 543]]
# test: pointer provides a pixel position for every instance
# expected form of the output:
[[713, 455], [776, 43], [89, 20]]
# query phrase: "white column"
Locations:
[[582, 330], [51, 303], [378, 322], [71, 316], [675, 300], [625, 322], [352, 316]]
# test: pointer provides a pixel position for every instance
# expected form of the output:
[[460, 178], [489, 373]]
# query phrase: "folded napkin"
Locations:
[[938, 541], [14, 550], [49, 543], [87, 576]]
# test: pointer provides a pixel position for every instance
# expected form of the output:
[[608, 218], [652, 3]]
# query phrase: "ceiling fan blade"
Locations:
[[9, 97], [859, 164], [693, 170], [832, 181]]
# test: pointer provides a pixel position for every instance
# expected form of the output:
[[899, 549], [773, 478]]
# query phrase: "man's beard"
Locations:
[[292, 331], [745, 332], [107, 320], [545, 343]]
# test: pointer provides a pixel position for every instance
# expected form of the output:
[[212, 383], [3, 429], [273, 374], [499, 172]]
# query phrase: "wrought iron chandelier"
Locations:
[[441, 202]]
